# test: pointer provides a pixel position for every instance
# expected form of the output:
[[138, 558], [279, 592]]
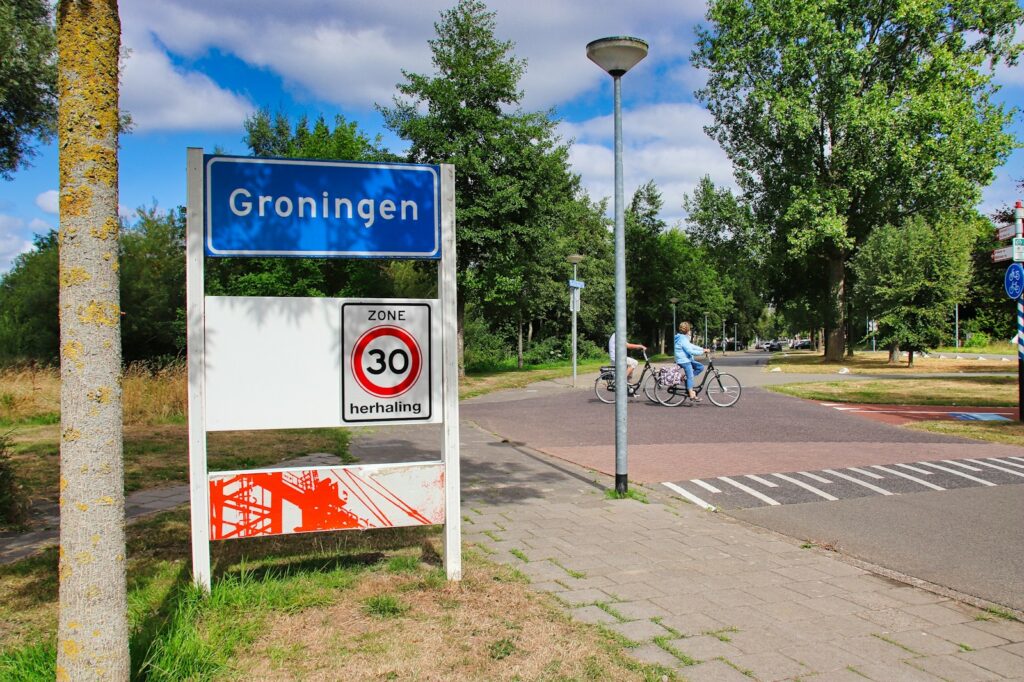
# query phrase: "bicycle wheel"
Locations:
[[604, 387], [670, 396], [650, 387], [723, 390]]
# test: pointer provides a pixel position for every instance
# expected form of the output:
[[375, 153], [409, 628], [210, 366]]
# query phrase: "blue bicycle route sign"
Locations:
[[1013, 281], [321, 209]]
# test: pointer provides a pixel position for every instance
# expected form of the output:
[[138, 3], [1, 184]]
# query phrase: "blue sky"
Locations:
[[196, 69]]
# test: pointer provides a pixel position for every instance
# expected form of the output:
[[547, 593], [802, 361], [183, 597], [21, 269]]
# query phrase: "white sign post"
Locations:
[[271, 363]]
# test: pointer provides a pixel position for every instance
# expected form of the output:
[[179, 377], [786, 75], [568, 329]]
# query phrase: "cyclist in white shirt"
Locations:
[[631, 363]]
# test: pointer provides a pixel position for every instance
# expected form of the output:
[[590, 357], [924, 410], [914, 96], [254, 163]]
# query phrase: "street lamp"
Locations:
[[617, 55], [573, 300], [673, 301]]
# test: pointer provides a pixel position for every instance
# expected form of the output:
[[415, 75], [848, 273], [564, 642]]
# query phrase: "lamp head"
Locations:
[[673, 300], [618, 54], [574, 258]]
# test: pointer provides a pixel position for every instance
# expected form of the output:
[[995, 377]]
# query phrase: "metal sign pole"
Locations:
[[196, 321], [446, 290], [1018, 214]]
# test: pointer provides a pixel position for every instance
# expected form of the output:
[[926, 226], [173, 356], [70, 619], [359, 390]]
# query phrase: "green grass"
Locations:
[[975, 391], [385, 606], [630, 494], [519, 554]]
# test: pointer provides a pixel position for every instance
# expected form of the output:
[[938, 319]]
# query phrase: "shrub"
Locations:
[[13, 505], [977, 340]]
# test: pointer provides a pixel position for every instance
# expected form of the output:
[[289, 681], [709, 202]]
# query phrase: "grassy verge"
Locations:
[[809, 362], [1010, 433], [980, 391], [375, 605], [480, 383]]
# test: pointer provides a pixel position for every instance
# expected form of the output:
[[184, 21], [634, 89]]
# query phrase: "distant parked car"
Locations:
[[773, 346], [804, 344]]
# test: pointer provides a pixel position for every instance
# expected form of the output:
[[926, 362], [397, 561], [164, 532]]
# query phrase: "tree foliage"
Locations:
[[511, 171], [841, 116], [28, 79], [909, 276]]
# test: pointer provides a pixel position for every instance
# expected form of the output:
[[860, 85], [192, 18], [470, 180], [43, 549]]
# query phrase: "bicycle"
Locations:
[[604, 386], [723, 390]]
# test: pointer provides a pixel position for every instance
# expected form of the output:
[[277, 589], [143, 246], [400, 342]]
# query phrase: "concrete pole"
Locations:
[[621, 384]]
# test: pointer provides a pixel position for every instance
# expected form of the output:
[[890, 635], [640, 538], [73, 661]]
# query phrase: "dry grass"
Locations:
[[488, 627], [31, 395], [980, 391], [806, 362]]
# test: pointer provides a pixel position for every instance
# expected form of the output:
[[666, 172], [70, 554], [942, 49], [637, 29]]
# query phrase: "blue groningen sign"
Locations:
[[321, 209]]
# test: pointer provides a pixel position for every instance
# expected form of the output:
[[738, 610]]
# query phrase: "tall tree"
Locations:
[[508, 163], [843, 115], [29, 329], [909, 277], [92, 634], [28, 79]]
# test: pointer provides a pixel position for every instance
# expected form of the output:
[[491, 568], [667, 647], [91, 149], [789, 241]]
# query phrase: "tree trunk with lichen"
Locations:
[[92, 636]]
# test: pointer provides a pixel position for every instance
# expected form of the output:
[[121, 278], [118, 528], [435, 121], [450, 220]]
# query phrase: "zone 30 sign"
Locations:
[[387, 350]]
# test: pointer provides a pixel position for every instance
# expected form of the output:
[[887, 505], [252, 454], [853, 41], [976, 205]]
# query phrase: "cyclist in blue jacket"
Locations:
[[684, 351]]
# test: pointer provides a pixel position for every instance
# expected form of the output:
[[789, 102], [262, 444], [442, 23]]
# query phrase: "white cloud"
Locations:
[[352, 54], [161, 97], [665, 143], [13, 241], [49, 201]]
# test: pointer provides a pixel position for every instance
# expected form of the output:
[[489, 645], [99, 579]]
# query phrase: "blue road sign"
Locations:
[[1013, 281], [321, 209], [575, 284]]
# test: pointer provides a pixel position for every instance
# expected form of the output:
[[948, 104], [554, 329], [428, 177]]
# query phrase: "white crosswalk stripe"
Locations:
[[957, 473], [869, 474], [915, 479], [689, 496], [707, 486], [996, 466], [744, 491], [914, 469], [750, 491], [807, 486], [1003, 461], [1019, 459], [961, 465], [851, 479]]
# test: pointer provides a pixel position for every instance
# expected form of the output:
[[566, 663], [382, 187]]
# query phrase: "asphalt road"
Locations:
[[942, 509]]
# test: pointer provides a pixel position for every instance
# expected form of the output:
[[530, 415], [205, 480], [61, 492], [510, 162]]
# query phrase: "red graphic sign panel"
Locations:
[[276, 502]]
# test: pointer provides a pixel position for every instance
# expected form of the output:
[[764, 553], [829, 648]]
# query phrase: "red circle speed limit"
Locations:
[[386, 361]]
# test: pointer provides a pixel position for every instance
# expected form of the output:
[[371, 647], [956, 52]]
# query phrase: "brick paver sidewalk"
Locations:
[[709, 595]]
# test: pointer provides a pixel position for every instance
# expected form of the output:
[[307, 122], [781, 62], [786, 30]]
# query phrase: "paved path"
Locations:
[[700, 591]]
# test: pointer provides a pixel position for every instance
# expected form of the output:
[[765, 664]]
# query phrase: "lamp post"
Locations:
[[706, 331], [575, 260], [617, 55], [673, 301]]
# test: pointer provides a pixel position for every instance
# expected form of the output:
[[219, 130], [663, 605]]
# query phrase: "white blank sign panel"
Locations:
[[275, 363]]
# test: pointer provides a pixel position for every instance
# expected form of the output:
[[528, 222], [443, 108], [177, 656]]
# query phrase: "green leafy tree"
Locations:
[[29, 328], [508, 163], [273, 135], [725, 228], [910, 276], [840, 116], [28, 79], [153, 293]]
